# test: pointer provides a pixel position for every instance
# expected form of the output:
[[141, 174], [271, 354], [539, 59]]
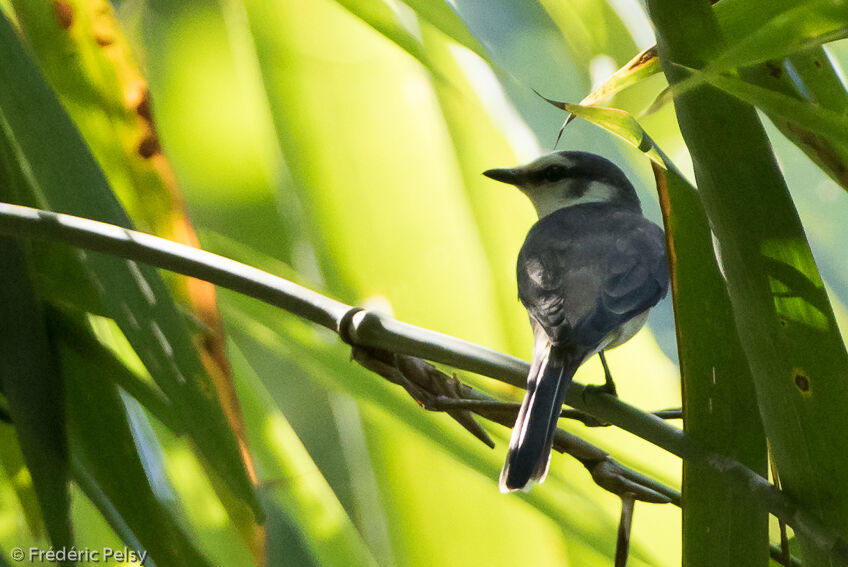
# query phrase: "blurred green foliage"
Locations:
[[340, 144]]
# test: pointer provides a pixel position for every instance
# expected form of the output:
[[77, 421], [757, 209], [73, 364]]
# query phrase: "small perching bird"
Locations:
[[588, 273]]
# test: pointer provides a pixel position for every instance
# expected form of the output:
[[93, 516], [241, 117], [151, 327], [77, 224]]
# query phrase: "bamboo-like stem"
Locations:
[[369, 329]]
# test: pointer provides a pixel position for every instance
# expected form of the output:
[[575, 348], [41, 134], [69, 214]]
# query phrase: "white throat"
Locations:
[[547, 200]]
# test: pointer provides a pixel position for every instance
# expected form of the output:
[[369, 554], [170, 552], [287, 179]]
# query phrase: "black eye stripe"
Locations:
[[549, 174], [555, 173]]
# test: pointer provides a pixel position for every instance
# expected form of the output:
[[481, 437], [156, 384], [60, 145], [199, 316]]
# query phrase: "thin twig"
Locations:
[[622, 544], [444, 403], [372, 330]]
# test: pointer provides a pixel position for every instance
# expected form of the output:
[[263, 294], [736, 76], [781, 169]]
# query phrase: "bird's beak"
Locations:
[[513, 176]]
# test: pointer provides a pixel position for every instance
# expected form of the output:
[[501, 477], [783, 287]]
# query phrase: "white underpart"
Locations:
[[549, 199], [625, 332], [620, 335]]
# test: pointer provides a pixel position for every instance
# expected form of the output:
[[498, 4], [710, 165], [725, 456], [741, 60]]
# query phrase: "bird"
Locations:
[[588, 273]]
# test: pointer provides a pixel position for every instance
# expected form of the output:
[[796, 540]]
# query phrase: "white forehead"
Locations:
[[551, 159]]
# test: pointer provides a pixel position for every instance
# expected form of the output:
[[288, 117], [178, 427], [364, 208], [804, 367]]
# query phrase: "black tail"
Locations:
[[533, 435]]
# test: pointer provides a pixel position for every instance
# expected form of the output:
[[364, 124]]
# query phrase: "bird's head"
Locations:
[[563, 179]]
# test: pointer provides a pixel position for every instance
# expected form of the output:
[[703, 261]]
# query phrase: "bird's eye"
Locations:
[[554, 173]]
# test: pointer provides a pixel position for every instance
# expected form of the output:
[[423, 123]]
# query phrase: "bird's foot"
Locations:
[[607, 388]]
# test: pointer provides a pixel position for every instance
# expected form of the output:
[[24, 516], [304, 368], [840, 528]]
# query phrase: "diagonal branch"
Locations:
[[436, 391], [364, 328]]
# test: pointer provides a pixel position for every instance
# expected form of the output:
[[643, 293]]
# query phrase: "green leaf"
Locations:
[[292, 484], [479, 141], [57, 271], [808, 115], [616, 121], [742, 22], [29, 375], [382, 18], [799, 27], [820, 80], [75, 333], [64, 177], [18, 476], [102, 440], [823, 87], [388, 21], [72, 328], [642, 66], [720, 525], [782, 312], [101, 505], [440, 15], [589, 29]]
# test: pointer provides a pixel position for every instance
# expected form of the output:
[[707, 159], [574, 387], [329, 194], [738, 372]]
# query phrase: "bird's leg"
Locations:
[[609, 385], [607, 388]]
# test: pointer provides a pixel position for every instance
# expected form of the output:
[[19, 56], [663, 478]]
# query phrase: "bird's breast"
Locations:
[[626, 331]]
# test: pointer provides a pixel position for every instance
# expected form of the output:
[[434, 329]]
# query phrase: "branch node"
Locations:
[[344, 327]]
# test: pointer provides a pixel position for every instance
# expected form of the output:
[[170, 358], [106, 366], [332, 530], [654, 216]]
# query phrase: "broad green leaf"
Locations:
[[590, 28], [292, 484], [819, 79], [807, 115], [49, 149], [18, 476], [756, 33], [783, 316], [740, 22], [812, 78], [98, 81], [75, 333], [32, 384], [801, 26], [342, 193], [719, 404], [440, 14], [98, 503], [158, 467], [481, 142], [101, 437], [388, 20], [381, 17], [88, 61], [57, 271], [738, 19]]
